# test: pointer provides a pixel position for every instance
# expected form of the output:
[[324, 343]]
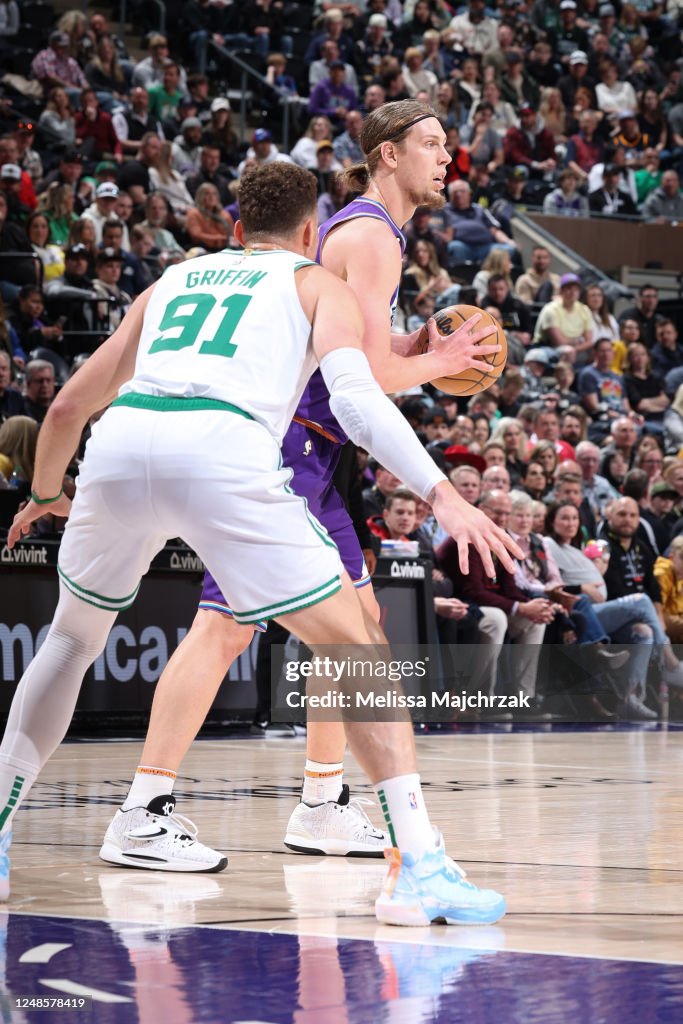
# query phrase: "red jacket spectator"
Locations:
[[93, 123], [501, 592], [527, 146]]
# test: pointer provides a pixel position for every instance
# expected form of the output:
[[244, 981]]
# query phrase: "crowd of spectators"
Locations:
[[113, 167]]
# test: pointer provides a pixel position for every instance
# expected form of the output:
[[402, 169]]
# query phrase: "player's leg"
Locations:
[[197, 668], [423, 884], [327, 820], [45, 700]]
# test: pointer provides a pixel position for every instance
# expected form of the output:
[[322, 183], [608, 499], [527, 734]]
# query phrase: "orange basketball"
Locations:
[[469, 382]]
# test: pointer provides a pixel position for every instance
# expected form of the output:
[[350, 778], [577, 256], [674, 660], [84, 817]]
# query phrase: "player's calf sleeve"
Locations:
[[373, 422], [45, 699]]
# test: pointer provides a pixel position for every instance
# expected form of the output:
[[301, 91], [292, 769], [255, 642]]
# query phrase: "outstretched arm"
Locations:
[[93, 388], [374, 423]]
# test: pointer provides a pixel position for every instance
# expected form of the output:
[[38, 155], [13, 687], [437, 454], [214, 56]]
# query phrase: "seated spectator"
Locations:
[[473, 30], [535, 479], [187, 147], [497, 262], [530, 145], [14, 273], [347, 148], [649, 457], [538, 283], [150, 70], [51, 256], [568, 487], [669, 575], [420, 228], [133, 123], [475, 231], [627, 620], [207, 225], [332, 98], [450, 112], [53, 66], [109, 264], [262, 151], [566, 323], [104, 72], [57, 206], [106, 195], [575, 79], [568, 404], [82, 232], [666, 202], [57, 122], [660, 513], [31, 329], [481, 141], [156, 217], [425, 275], [209, 172], [70, 295], [495, 476], [11, 400], [374, 498], [514, 316], [585, 148], [554, 115], [603, 392], [509, 433], [467, 482], [326, 167], [505, 609], [644, 313], [39, 389], [667, 354], [630, 138], [397, 518], [146, 268], [95, 133], [305, 151], [170, 183], [597, 489], [565, 201], [417, 78], [644, 389], [604, 324], [648, 177], [612, 94], [165, 97], [10, 187], [610, 198], [133, 177]]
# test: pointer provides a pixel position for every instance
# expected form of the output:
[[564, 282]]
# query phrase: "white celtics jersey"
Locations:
[[230, 328]]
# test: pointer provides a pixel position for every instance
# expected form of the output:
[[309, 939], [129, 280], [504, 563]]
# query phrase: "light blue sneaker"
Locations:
[[5, 840], [433, 890]]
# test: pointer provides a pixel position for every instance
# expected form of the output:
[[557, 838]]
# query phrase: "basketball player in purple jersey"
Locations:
[[363, 244]]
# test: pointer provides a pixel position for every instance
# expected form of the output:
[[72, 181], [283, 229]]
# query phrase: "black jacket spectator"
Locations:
[[630, 571]]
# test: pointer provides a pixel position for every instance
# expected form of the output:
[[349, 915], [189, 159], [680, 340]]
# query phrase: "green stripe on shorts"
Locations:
[[292, 604], [172, 403], [109, 604]]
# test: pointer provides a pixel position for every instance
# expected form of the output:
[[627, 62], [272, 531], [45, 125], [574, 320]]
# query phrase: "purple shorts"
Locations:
[[313, 460]]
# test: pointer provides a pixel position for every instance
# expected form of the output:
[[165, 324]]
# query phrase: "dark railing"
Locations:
[[247, 73]]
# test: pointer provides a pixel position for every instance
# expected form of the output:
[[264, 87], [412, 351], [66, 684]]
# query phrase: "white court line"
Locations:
[[43, 954], [72, 988]]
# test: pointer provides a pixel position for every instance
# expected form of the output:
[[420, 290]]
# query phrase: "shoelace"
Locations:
[[187, 830], [357, 803]]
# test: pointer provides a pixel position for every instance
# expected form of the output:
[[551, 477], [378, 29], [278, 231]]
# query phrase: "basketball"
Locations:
[[471, 381]]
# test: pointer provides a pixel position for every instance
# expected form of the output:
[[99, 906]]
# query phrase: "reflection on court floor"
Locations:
[[136, 973]]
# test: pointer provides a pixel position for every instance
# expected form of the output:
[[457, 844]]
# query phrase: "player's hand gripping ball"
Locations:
[[471, 380]]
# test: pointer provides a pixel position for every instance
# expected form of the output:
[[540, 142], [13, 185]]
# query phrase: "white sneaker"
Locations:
[[633, 710], [156, 838], [339, 828], [673, 676]]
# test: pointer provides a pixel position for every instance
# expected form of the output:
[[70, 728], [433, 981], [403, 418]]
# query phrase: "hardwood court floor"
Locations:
[[582, 831]]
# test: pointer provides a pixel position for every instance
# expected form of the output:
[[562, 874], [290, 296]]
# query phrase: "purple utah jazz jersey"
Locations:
[[313, 443], [314, 406]]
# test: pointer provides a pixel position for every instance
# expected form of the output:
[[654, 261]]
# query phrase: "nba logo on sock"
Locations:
[[413, 801]]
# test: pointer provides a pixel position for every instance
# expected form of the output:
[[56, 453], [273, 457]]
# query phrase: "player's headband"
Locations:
[[416, 120]]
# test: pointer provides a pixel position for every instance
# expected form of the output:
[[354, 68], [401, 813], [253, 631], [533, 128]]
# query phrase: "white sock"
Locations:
[[148, 783], [405, 813], [322, 782]]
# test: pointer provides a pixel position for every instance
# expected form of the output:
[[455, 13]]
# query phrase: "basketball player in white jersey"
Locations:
[[362, 244], [191, 448]]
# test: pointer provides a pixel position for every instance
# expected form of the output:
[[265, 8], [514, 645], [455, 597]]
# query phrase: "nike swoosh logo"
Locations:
[[154, 835]]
